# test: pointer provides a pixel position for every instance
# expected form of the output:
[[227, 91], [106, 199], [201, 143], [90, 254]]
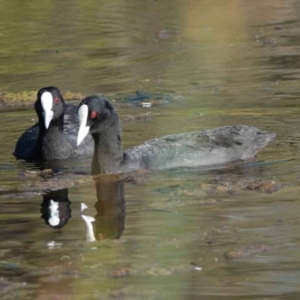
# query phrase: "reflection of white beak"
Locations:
[[83, 206], [47, 103], [54, 213], [89, 231], [83, 129]]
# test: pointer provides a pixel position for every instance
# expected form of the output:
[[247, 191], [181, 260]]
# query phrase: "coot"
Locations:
[[202, 148], [54, 136]]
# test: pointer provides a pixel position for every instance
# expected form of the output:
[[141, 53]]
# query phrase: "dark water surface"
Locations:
[[177, 234]]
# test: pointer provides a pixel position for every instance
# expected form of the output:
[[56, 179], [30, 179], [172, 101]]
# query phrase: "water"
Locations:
[[177, 234]]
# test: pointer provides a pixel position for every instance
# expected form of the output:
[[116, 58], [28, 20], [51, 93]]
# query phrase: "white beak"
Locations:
[[89, 231], [83, 129], [54, 213], [47, 103]]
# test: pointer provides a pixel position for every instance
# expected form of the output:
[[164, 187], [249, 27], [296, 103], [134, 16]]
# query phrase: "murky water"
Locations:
[[177, 234]]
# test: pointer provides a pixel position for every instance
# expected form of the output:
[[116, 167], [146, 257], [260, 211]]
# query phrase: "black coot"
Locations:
[[202, 148], [54, 136]]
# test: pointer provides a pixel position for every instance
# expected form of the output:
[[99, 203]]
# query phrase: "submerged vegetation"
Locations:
[[28, 97]]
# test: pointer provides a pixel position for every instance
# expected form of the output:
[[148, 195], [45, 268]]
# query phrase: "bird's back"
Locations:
[[25, 145], [202, 148]]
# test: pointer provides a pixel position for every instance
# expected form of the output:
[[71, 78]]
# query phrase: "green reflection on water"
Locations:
[[228, 68]]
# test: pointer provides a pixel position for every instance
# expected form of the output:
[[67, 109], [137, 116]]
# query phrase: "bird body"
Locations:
[[202, 148]]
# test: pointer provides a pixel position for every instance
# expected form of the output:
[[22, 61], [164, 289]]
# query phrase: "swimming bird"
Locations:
[[54, 136], [210, 147]]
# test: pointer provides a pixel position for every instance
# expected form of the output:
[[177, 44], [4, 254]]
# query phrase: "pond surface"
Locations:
[[230, 233]]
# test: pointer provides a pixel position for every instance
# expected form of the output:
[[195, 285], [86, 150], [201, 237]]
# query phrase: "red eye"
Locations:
[[93, 114], [56, 100]]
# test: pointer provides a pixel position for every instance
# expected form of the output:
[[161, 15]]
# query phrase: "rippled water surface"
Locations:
[[230, 233]]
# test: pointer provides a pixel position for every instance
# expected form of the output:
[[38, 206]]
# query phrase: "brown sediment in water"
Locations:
[[27, 98]]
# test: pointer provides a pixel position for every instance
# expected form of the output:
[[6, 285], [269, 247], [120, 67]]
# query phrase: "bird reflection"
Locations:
[[107, 223], [55, 208]]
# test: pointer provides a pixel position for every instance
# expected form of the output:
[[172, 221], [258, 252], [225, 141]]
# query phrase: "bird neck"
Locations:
[[108, 153], [55, 125], [44, 146]]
